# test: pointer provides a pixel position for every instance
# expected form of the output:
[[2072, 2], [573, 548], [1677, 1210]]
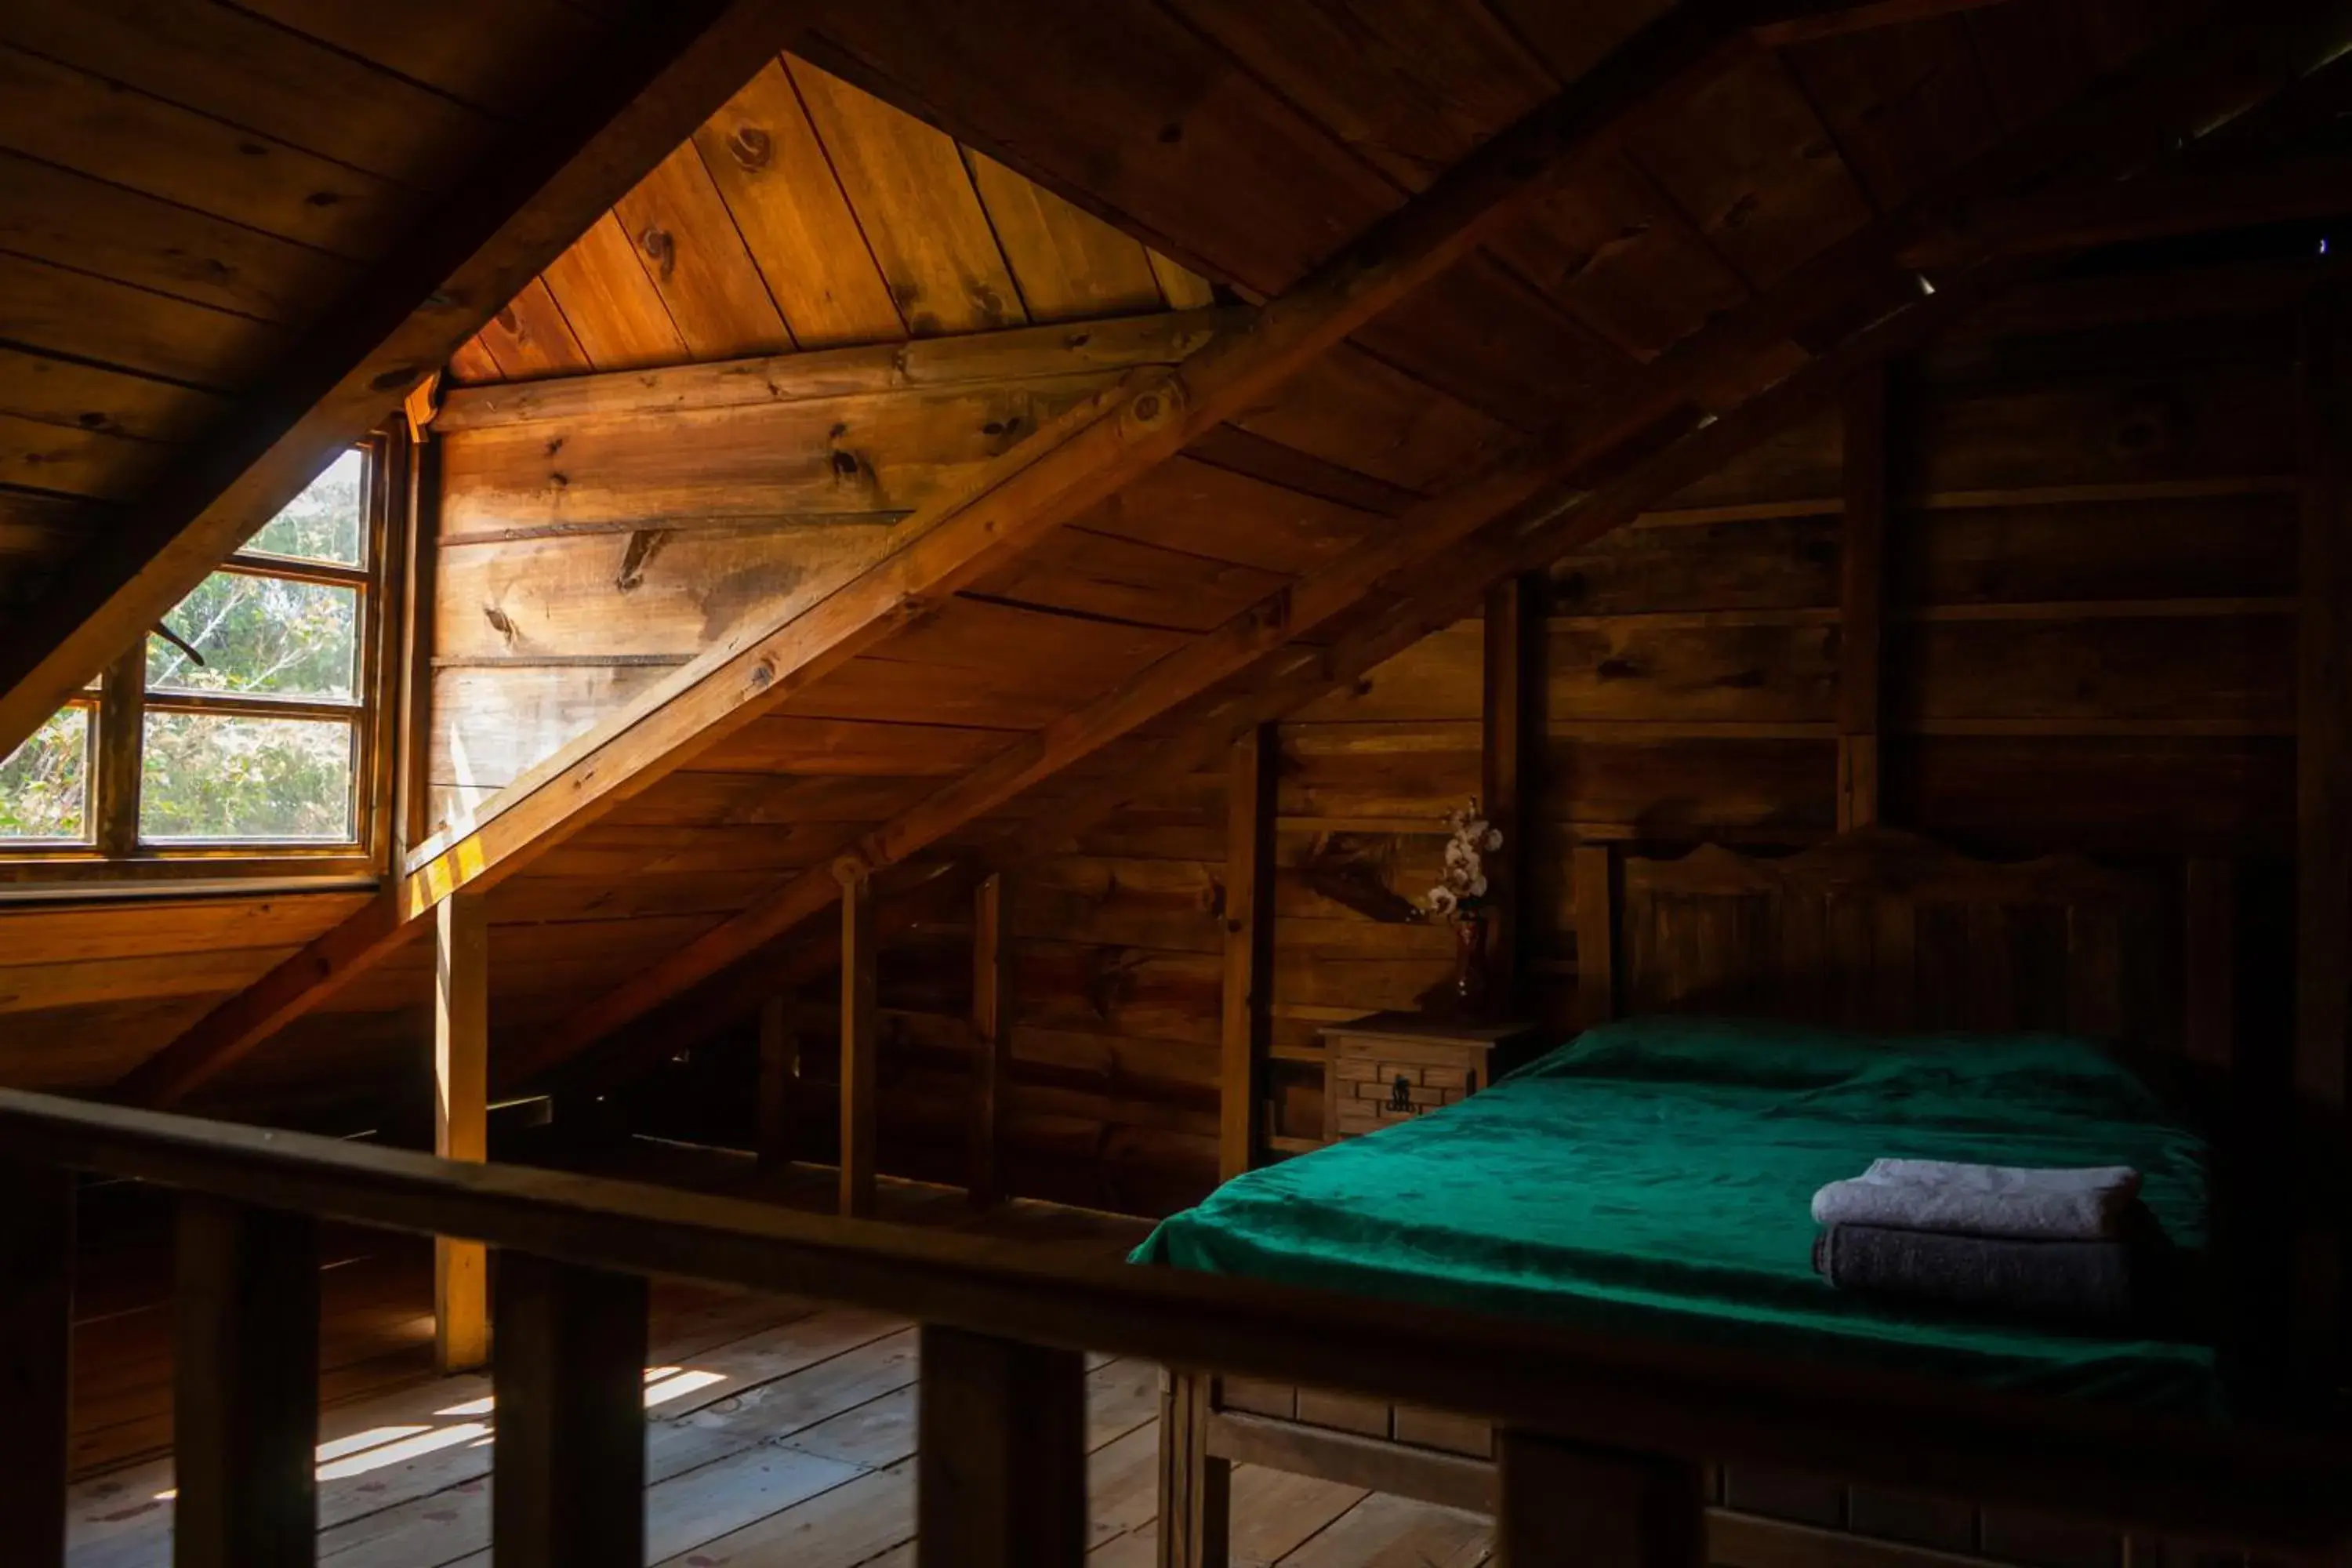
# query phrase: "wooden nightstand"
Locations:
[[1391, 1067]]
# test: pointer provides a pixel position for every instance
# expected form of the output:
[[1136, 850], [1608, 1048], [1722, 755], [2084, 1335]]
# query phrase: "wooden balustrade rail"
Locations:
[[1002, 1465]]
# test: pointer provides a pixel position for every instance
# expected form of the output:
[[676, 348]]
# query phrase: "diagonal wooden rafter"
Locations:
[[1066, 467], [667, 67], [1698, 407]]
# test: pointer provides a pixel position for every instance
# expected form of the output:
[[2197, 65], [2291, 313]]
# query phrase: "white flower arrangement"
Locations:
[[1460, 889]]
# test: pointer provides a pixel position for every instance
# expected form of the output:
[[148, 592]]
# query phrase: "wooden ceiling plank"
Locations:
[[773, 173], [222, 62], [88, 397], [659, 77], [529, 337], [60, 310], [1440, 557], [70, 118], [915, 205], [1069, 264], [502, 59], [609, 298], [56, 214], [699, 263]]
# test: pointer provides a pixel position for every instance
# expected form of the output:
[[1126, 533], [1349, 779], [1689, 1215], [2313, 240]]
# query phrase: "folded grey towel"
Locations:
[[2071, 1280], [1984, 1200]]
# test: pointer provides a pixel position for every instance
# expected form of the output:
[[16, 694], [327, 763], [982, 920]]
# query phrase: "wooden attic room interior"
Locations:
[[779, 782]]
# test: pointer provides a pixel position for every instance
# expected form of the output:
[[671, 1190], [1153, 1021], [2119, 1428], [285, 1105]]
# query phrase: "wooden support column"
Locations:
[[461, 1114], [1511, 737], [122, 723], [780, 1079], [1862, 591], [1565, 1506], [2323, 1006], [1001, 1459], [1249, 946], [245, 1387], [992, 1039], [568, 1476], [37, 1239], [859, 1040], [1195, 1488]]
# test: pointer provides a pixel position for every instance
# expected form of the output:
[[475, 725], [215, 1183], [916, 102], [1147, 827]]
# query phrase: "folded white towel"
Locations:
[[1984, 1200]]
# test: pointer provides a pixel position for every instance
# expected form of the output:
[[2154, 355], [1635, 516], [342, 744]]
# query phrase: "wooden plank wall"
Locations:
[[2088, 641]]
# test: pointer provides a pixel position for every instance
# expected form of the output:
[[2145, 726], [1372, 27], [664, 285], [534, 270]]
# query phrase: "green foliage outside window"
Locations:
[[232, 777], [45, 783], [212, 776], [325, 523]]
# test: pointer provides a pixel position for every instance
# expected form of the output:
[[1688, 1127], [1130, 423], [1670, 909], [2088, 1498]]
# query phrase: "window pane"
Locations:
[[44, 784], [263, 634], [218, 775], [326, 523]]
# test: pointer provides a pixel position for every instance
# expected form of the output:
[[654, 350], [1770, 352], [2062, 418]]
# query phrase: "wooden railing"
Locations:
[[1599, 1447]]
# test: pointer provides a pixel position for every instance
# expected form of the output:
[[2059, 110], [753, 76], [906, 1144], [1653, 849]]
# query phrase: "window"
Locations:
[[246, 726]]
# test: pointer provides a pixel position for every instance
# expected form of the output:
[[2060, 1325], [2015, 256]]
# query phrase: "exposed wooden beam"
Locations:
[[991, 1040], [1510, 733], [1071, 463], [1861, 587], [1019, 355], [860, 1041], [461, 1121], [1250, 777], [666, 66]]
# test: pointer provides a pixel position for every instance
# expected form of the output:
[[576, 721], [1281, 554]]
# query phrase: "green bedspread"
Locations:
[[1655, 1177]]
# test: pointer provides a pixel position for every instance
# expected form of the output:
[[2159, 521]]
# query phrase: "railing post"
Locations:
[[1566, 1506], [37, 1214], [461, 1125], [244, 1411], [568, 1470], [1001, 1465], [1195, 1488]]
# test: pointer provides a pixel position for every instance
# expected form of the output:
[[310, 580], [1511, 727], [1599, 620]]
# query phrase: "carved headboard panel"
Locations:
[[1879, 928]]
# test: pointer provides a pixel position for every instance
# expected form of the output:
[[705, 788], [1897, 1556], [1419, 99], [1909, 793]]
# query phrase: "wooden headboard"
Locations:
[[1880, 929]]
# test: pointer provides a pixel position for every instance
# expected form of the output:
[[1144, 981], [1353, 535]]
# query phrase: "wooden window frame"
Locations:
[[111, 851]]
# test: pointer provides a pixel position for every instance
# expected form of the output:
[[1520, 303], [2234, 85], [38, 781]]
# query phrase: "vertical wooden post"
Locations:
[[122, 722], [1596, 925], [1511, 738], [992, 1046], [1861, 589], [412, 810], [568, 1477], [245, 1387], [37, 1239], [1195, 1490], [859, 1041], [1249, 947], [1001, 1458], [461, 1114], [2209, 949], [2323, 1006], [779, 1077], [1563, 1506]]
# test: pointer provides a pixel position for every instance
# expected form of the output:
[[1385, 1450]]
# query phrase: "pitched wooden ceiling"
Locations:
[[809, 215], [1695, 241]]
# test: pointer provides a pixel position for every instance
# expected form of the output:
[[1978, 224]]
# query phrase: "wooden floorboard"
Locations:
[[777, 1430]]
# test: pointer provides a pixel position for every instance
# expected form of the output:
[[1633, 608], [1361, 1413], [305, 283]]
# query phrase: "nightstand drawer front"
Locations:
[[1392, 1068]]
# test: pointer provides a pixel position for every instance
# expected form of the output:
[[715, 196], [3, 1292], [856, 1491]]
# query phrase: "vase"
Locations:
[[1470, 964]]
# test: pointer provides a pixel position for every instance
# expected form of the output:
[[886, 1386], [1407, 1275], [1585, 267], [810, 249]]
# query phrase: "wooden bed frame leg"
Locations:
[[1195, 1491], [1566, 1506]]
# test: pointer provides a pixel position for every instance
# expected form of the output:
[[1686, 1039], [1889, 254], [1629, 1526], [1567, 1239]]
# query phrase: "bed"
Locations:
[[1652, 1175]]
